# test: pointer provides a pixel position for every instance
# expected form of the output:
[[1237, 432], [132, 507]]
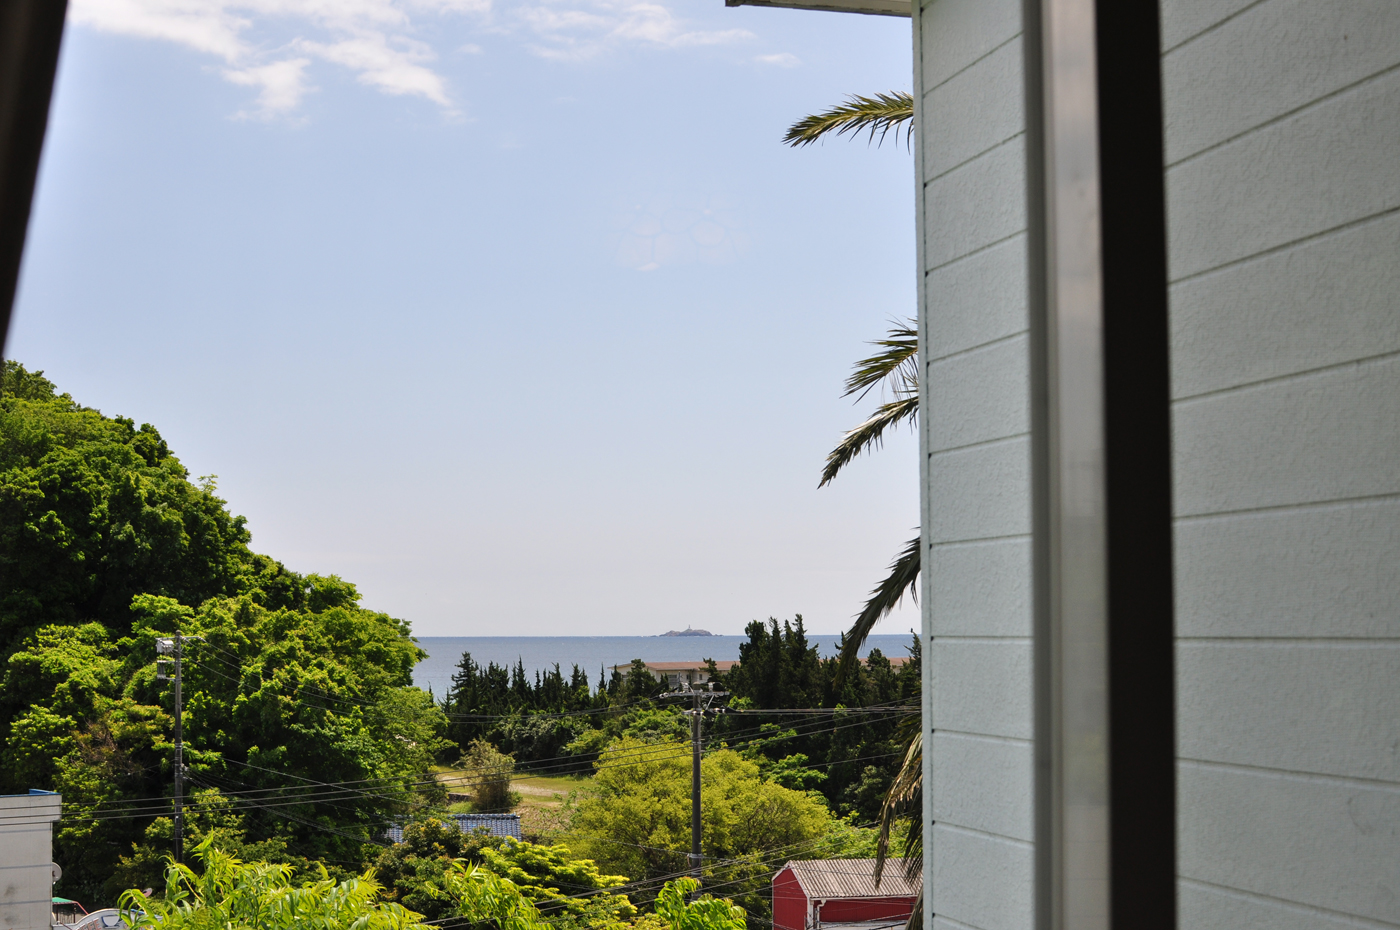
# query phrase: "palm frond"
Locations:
[[868, 435], [898, 363], [904, 798], [903, 576], [880, 113]]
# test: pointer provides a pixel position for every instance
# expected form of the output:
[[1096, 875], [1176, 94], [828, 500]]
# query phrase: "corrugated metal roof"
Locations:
[[850, 878], [506, 825]]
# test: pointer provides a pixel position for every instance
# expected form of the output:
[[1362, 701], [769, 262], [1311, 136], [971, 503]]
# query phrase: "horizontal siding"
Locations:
[[1282, 133], [976, 205], [1320, 572], [1323, 168], [963, 32], [974, 427], [1322, 843], [1321, 708], [982, 881], [977, 300], [1329, 300], [1183, 20], [1274, 58], [979, 783], [979, 396], [1319, 437], [984, 102], [981, 588], [1204, 907], [983, 687], [980, 493]]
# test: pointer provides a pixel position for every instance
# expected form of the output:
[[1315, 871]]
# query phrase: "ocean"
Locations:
[[539, 653]]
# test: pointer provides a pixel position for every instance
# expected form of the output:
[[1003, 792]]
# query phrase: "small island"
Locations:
[[688, 632]]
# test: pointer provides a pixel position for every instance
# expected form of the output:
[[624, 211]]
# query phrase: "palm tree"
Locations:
[[894, 368]]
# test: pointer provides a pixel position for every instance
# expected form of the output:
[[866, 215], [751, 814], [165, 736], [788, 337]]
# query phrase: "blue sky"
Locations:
[[516, 314]]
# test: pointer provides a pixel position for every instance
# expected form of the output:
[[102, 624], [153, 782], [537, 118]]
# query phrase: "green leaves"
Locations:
[[882, 113], [704, 913], [230, 894]]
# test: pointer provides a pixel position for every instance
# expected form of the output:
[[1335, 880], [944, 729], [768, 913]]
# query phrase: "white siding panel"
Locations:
[[1274, 58], [981, 784], [1313, 438], [1318, 572], [977, 300], [1331, 709], [976, 205], [1327, 166], [981, 588], [1184, 19], [959, 32], [982, 687], [984, 101], [1329, 300], [979, 396], [981, 881], [980, 493], [1323, 843], [1202, 907]]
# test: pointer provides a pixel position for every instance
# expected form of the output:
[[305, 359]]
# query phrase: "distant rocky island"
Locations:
[[688, 632]]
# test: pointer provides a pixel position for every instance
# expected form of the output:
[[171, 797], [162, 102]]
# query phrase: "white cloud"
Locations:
[[372, 38], [581, 30], [781, 59], [282, 83], [270, 44]]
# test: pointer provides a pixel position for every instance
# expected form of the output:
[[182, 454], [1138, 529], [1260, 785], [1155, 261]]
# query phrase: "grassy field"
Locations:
[[542, 798]]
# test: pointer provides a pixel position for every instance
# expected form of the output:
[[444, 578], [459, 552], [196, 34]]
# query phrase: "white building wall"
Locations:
[[1283, 184], [1283, 189], [26, 860], [975, 435]]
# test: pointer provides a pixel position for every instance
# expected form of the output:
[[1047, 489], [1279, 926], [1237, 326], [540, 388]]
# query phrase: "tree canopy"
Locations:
[[105, 545]]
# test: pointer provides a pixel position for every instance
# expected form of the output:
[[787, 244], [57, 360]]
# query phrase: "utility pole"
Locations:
[[695, 862], [697, 713], [174, 646]]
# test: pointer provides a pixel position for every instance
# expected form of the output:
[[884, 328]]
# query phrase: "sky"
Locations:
[[515, 313]]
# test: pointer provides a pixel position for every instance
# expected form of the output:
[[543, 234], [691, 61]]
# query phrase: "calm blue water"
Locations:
[[539, 653]]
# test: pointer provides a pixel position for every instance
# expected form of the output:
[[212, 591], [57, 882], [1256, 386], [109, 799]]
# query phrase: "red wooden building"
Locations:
[[841, 893]]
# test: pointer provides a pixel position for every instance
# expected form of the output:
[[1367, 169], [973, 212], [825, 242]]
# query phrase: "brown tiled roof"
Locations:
[[850, 878]]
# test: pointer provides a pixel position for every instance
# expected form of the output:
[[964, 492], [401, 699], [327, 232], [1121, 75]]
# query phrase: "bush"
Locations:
[[489, 772]]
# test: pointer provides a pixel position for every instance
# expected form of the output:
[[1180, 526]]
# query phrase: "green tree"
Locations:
[[635, 819], [105, 545], [489, 773], [230, 893], [94, 511], [415, 871], [703, 913]]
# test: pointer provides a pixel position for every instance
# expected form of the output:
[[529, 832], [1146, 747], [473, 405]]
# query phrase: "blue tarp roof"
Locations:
[[506, 825]]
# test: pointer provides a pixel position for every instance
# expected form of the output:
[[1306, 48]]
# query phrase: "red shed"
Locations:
[[841, 893]]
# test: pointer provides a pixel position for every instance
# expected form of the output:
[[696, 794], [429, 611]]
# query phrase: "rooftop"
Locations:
[[830, 879]]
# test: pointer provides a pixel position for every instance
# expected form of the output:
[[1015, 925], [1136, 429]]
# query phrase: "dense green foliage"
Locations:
[[561, 725], [554, 720], [703, 913], [228, 893], [635, 819], [849, 756], [106, 545]]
